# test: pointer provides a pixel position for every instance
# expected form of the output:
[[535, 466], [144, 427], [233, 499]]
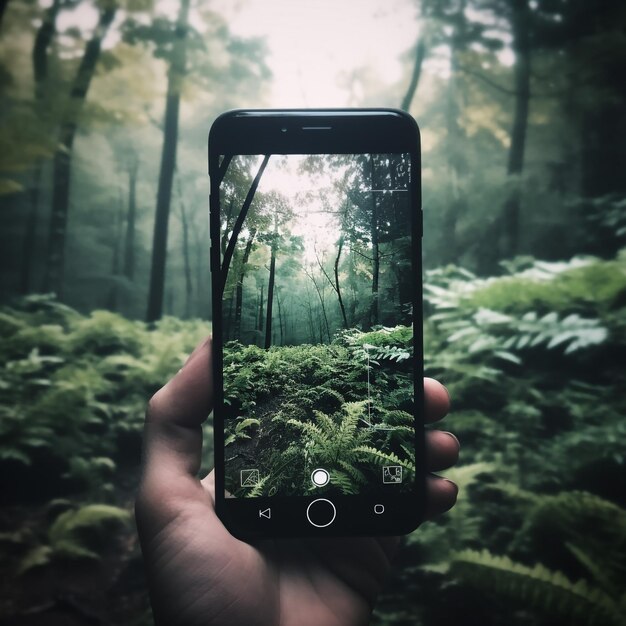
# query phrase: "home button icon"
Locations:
[[321, 513]]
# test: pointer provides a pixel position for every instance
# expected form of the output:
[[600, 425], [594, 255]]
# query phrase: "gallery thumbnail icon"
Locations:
[[249, 477], [392, 474]]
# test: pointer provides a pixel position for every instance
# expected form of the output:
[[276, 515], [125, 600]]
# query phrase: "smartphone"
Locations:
[[316, 225]]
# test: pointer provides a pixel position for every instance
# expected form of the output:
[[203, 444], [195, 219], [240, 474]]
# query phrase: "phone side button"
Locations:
[[321, 513]]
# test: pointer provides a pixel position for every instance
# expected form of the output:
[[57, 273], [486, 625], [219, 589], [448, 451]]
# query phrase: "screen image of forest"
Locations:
[[317, 298]]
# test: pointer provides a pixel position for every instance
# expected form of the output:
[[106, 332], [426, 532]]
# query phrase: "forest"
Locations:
[[327, 239], [105, 284]]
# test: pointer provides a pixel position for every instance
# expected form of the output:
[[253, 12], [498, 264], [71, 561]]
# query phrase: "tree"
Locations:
[[280, 212], [131, 217], [520, 28], [184, 220], [270, 286], [241, 217], [175, 76], [112, 301], [240, 281], [420, 53], [43, 40], [62, 161]]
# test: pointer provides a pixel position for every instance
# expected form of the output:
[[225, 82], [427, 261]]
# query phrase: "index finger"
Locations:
[[436, 401], [173, 425]]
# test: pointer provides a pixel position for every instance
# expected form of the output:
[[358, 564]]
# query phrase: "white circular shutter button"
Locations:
[[320, 477]]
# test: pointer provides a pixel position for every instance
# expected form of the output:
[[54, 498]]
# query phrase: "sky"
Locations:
[[310, 221], [315, 45]]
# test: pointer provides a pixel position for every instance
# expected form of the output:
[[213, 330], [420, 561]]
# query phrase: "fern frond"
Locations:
[[382, 458], [315, 432], [598, 573], [342, 480], [257, 490], [94, 518], [325, 422], [355, 474], [538, 587]]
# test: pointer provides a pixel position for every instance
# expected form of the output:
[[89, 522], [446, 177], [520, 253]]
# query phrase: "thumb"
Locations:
[[173, 424]]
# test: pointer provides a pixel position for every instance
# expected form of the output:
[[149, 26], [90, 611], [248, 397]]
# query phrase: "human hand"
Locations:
[[200, 574]]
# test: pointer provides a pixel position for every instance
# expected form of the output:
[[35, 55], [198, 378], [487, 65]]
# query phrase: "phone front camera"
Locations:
[[283, 130]]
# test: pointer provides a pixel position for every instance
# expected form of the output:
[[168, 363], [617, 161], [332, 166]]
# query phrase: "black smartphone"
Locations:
[[316, 228]]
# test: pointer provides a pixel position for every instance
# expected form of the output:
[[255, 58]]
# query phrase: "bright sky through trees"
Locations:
[[314, 46]]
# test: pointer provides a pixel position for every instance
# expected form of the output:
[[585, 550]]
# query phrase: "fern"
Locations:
[[385, 458], [544, 590], [313, 430], [77, 534], [241, 427], [257, 490]]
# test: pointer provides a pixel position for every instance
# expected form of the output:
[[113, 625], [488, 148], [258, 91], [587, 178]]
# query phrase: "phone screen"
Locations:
[[317, 293]]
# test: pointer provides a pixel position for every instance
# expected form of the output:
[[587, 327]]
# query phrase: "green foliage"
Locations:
[[305, 404], [77, 534], [533, 360], [72, 388], [335, 443], [241, 426], [550, 593]]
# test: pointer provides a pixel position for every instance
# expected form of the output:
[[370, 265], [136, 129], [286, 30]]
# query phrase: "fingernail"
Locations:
[[458, 443], [456, 487]]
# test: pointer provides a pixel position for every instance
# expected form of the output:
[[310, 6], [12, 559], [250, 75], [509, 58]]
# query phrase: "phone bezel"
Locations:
[[319, 131]]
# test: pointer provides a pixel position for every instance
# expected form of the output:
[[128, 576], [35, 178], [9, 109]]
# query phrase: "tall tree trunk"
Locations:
[[260, 318], [420, 53], [375, 249], [337, 286], [175, 77], [186, 260], [280, 318], [112, 300], [334, 281], [311, 321], [270, 295], [322, 305], [63, 155], [352, 285], [30, 232], [239, 290], [3, 8], [43, 39], [454, 149], [230, 248], [131, 216], [520, 23]]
